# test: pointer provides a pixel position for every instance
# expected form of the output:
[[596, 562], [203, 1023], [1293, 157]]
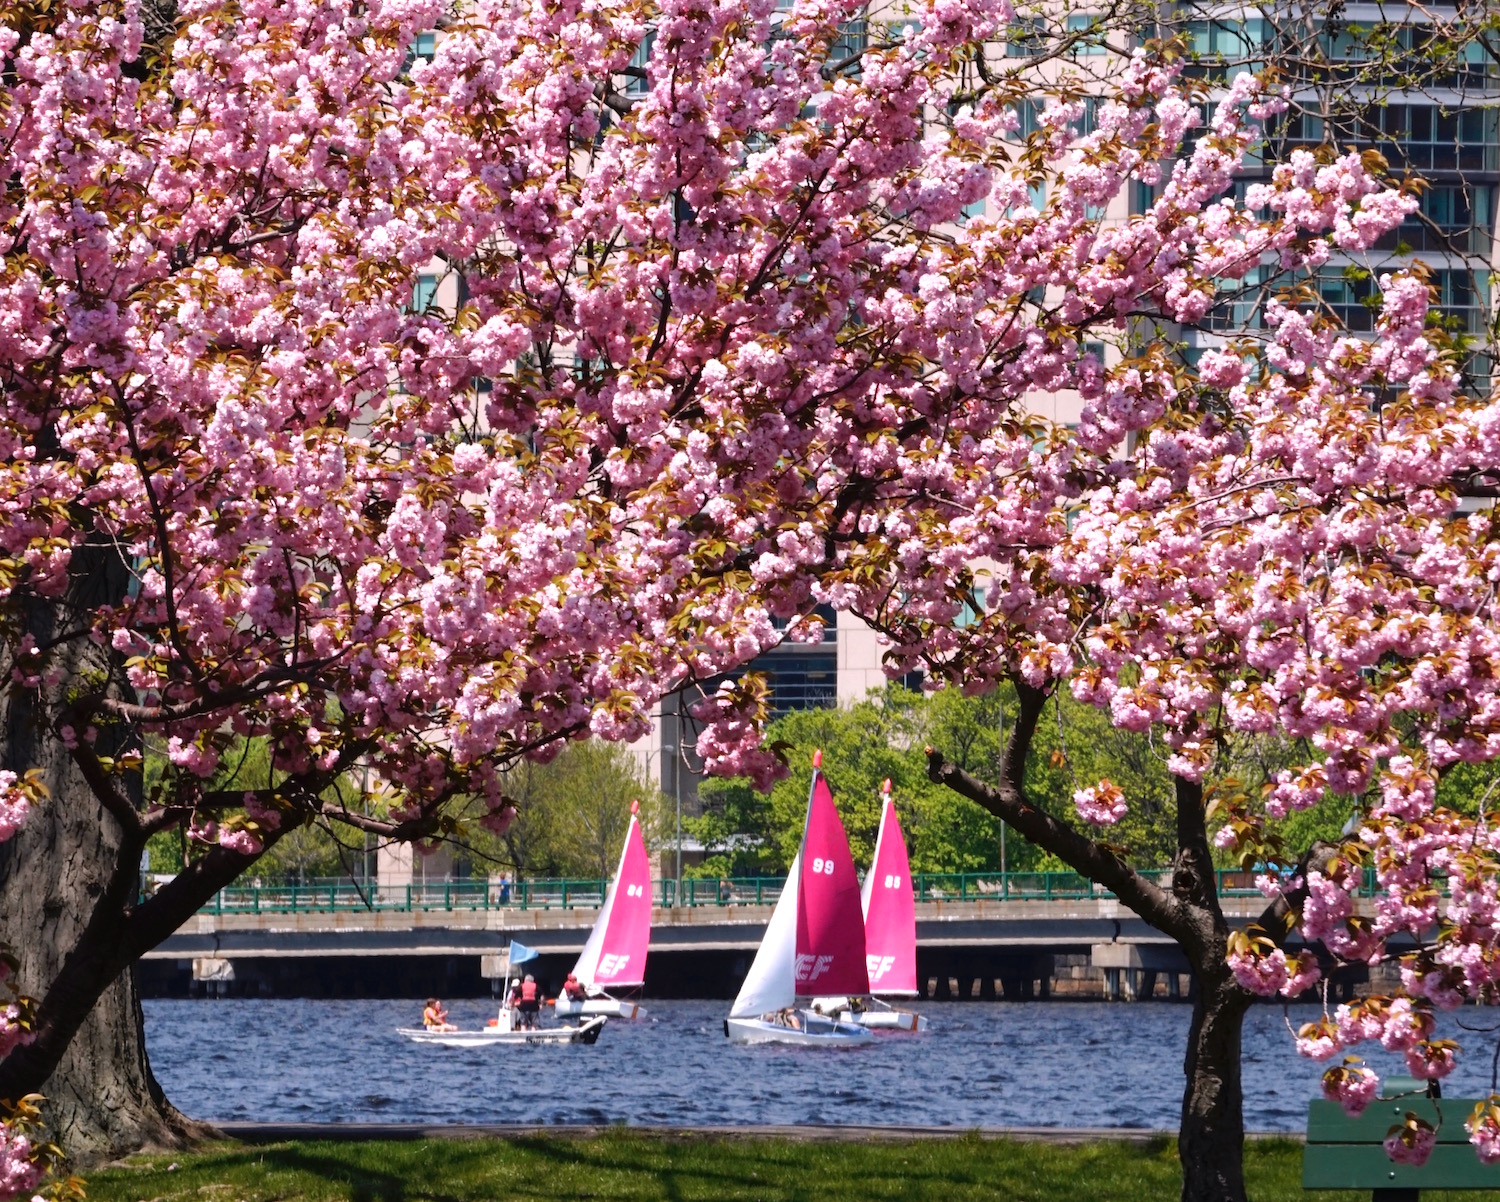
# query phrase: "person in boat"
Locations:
[[530, 1003], [435, 1018], [789, 1018], [574, 990]]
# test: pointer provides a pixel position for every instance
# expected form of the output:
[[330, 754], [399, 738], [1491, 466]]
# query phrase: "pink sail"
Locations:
[[830, 925], [890, 912], [615, 955]]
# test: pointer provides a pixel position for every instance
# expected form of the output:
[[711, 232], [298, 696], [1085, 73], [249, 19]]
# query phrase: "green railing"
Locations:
[[476, 895]]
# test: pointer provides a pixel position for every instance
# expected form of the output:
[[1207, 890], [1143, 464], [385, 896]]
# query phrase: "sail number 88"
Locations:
[[822, 867]]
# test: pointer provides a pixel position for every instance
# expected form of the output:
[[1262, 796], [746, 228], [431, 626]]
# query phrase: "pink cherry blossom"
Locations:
[[1352, 1086], [1102, 804]]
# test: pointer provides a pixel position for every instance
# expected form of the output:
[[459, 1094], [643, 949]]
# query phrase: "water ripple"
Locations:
[[1042, 1064]]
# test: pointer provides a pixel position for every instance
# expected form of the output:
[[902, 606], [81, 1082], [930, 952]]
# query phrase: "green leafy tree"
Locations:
[[571, 814], [863, 745]]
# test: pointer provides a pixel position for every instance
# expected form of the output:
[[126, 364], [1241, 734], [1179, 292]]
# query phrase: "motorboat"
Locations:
[[503, 1033]]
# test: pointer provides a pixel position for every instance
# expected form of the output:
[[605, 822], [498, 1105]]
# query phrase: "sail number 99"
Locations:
[[822, 867]]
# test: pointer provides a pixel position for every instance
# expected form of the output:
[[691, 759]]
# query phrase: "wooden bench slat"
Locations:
[[1328, 1124], [1366, 1166]]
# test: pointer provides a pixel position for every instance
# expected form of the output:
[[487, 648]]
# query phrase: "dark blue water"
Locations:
[[1009, 1064]]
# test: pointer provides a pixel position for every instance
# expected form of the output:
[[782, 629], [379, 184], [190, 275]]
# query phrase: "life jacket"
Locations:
[[528, 991]]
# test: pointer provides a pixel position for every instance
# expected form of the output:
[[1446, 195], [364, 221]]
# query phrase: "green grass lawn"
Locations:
[[627, 1167]]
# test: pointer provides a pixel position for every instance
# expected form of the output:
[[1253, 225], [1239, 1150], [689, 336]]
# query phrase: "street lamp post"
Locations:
[[677, 791]]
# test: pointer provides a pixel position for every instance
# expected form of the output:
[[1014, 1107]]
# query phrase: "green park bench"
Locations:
[[1346, 1153]]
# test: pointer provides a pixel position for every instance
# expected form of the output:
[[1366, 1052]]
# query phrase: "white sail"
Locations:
[[589, 960], [622, 945], [769, 985], [869, 883]]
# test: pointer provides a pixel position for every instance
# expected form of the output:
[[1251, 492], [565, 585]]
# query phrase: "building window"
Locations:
[[1027, 113], [1090, 34], [1455, 218], [637, 84], [1023, 37], [424, 292], [1219, 49], [1462, 297], [1425, 137], [973, 610], [1239, 308], [423, 47], [854, 37], [801, 677]]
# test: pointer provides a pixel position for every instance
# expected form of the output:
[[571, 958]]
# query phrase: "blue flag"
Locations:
[[520, 953]]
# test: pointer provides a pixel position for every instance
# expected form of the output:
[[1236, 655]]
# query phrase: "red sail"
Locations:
[[830, 920]]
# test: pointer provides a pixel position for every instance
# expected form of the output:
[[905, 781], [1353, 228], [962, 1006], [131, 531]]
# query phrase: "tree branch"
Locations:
[[1008, 801], [1280, 918]]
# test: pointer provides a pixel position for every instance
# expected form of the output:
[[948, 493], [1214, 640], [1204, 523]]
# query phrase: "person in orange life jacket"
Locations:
[[575, 992], [434, 1017], [530, 1003]]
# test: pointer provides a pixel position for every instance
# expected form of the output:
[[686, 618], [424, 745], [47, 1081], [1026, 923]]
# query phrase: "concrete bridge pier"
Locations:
[[1131, 970]]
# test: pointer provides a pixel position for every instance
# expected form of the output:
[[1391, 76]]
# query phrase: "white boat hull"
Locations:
[[586, 1032], [877, 1015], [816, 1031], [607, 1006], [886, 1020]]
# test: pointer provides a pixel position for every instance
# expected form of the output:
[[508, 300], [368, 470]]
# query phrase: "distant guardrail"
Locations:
[[484, 895]]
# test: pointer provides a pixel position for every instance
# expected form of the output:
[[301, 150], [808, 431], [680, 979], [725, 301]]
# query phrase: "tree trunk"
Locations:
[[70, 856], [102, 1099], [1210, 1141]]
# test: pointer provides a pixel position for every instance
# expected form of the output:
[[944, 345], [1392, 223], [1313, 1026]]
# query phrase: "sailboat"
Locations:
[[814, 944], [890, 930], [615, 955]]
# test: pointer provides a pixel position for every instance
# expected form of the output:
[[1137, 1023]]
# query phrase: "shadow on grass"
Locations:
[[628, 1166]]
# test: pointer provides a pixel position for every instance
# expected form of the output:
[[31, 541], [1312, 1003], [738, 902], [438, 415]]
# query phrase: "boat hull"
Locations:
[[585, 1032], [817, 1033], [886, 1020], [607, 1006], [877, 1015]]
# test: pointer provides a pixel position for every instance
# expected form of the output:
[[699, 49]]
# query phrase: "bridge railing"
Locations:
[[585, 894]]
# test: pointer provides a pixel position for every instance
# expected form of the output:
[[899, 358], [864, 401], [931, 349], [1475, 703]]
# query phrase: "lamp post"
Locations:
[[677, 791], [1000, 759]]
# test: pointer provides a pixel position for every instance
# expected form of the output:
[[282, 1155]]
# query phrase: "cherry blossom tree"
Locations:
[[420, 407], [1294, 536]]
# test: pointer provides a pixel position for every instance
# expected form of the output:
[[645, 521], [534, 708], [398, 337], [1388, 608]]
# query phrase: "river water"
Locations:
[[1039, 1064]]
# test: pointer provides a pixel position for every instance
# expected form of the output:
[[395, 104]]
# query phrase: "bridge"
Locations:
[[983, 935]]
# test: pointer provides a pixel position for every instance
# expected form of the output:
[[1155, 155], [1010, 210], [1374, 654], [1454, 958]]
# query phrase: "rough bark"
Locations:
[[1211, 1138], [1212, 1132], [68, 862]]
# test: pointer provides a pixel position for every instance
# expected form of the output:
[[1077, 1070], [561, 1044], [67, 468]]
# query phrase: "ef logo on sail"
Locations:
[[809, 968]]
